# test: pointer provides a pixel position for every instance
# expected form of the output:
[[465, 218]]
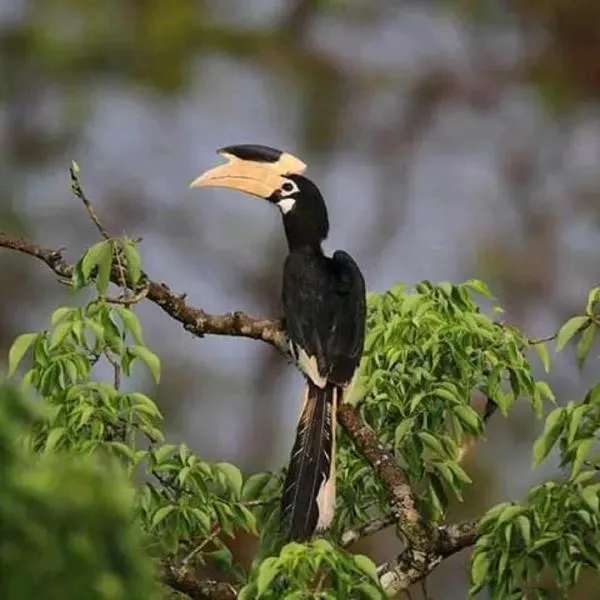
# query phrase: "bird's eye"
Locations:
[[289, 187]]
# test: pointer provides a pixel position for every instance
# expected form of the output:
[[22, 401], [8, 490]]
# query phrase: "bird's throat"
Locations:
[[303, 232]]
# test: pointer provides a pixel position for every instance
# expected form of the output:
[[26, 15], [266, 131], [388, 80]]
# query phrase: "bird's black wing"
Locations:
[[308, 304], [344, 346]]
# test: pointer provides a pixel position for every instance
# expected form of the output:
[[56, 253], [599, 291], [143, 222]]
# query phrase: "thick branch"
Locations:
[[412, 566], [184, 581], [370, 528], [456, 537], [426, 546], [400, 495]]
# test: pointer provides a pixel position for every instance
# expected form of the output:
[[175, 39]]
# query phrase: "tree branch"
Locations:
[[411, 566], [456, 537], [370, 528], [193, 319], [404, 509], [183, 580], [79, 193]]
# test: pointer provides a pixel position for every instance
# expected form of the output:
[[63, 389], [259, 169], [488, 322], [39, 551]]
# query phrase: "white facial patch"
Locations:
[[286, 204]]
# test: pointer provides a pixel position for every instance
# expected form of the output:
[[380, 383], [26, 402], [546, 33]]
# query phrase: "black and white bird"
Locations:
[[324, 310]]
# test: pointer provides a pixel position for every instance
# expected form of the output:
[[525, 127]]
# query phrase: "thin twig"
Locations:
[[78, 191], [253, 503], [127, 299], [200, 547], [116, 369], [122, 271], [542, 340]]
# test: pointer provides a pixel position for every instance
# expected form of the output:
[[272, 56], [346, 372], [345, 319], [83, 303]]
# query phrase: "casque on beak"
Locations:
[[255, 177]]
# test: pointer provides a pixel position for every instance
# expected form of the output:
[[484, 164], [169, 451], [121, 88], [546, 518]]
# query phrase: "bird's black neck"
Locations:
[[306, 224], [301, 237]]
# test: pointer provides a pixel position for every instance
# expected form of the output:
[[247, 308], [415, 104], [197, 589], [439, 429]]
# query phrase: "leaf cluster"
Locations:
[[427, 351]]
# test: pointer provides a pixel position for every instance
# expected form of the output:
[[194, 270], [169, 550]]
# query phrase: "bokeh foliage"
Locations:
[[68, 521]]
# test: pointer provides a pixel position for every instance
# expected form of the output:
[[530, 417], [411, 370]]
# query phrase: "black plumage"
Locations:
[[324, 309]]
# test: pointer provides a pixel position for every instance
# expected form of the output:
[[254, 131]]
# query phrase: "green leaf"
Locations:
[[223, 558], [591, 497], [94, 256], [122, 450], [492, 515], [593, 396], [248, 592], [233, 475], [585, 344], [552, 430], [247, 520], [59, 334], [401, 431], [509, 513], [578, 413], [18, 350], [366, 565], [508, 534], [162, 453], [183, 475], [546, 391], [583, 449], [132, 323], [254, 485], [468, 416], [149, 359], [459, 472], [133, 260], [593, 296], [569, 329], [267, 571], [480, 288], [54, 437], [142, 403], [104, 269], [480, 568], [370, 592], [161, 514], [60, 313], [432, 443], [525, 528], [203, 519], [542, 351]]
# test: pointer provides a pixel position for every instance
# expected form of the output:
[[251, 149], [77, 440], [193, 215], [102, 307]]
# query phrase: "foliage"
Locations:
[[90, 438], [557, 527], [426, 353], [315, 570], [67, 522]]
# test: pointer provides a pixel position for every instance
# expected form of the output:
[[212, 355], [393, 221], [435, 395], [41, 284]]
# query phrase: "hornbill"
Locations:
[[323, 302]]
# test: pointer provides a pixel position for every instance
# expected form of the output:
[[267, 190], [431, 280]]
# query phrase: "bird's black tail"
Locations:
[[308, 500]]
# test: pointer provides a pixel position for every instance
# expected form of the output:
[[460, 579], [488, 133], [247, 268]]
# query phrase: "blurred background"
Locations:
[[451, 139]]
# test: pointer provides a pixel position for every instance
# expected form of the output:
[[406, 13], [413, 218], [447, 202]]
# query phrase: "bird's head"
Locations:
[[277, 177]]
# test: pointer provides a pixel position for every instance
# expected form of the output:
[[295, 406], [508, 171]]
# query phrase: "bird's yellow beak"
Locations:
[[257, 178]]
